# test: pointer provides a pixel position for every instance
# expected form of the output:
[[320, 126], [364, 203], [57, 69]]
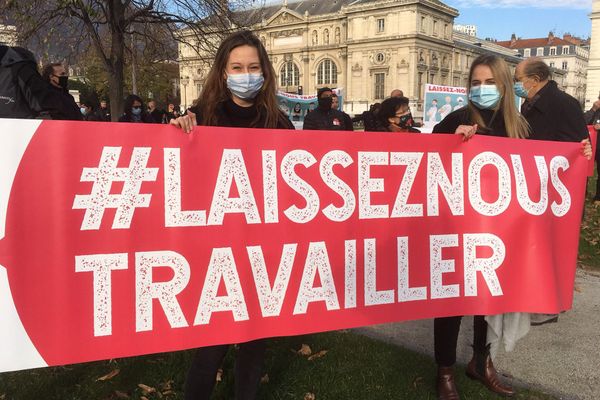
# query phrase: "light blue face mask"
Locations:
[[136, 110], [485, 97], [520, 90], [245, 86]]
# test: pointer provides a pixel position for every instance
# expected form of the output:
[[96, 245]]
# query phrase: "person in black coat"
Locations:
[[89, 111], [56, 75], [23, 91], [135, 112], [240, 91], [395, 116], [324, 117], [592, 117]]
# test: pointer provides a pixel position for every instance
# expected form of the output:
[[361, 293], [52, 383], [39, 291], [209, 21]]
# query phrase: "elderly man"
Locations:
[[397, 93], [592, 117], [552, 115]]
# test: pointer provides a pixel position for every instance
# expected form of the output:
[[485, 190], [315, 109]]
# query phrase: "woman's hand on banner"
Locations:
[[467, 131], [586, 149], [185, 122]]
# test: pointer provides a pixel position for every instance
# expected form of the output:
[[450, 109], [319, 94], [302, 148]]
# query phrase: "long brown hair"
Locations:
[[516, 125], [215, 89]]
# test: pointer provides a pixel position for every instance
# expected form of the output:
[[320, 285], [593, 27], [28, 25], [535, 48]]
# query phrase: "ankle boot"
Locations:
[[446, 388], [482, 369]]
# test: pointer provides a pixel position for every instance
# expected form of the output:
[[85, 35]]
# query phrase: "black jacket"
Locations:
[[494, 122], [555, 115], [332, 120], [23, 92], [67, 109], [231, 115]]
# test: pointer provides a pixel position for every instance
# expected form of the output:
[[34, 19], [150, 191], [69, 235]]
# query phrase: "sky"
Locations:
[[499, 19]]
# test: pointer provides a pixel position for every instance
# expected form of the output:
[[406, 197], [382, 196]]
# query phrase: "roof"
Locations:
[[537, 42]]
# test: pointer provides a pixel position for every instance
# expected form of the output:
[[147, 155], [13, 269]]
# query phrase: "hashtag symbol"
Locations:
[[127, 201]]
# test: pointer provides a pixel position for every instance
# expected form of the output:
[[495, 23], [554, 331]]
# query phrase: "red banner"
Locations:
[[127, 239]]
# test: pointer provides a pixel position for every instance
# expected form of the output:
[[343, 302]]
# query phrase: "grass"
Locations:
[[589, 248], [354, 367]]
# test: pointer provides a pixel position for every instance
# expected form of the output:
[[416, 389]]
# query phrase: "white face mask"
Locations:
[[245, 86]]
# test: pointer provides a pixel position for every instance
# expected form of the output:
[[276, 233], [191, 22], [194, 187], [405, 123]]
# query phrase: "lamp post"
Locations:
[[185, 81]]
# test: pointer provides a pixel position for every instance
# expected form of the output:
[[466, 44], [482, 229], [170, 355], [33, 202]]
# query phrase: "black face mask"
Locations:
[[63, 82], [325, 103], [405, 121]]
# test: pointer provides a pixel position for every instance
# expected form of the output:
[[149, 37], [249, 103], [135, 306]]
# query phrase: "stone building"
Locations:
[[366, 47], [567, 54], [593, 72]]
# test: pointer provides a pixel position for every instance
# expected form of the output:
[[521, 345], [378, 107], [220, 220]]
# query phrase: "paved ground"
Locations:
[[561, 358]]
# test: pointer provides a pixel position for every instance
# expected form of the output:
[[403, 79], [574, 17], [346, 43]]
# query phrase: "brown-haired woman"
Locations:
[[240, 91], [491, 110]]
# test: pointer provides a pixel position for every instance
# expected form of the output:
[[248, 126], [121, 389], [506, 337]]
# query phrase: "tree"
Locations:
[[107, 26]]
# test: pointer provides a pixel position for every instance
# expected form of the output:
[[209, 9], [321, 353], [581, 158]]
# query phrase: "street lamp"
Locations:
[[185, 81]]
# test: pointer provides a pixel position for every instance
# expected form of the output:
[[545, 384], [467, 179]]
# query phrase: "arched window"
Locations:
[[327, 73], [289, 75]]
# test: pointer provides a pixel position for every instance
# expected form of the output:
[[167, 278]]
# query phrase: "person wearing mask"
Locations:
[[490, 110], [325, 118], [240, 91], [335, 105], [134, 111], [592, 117], [56, 75], [104, 111], [395, 116], [23, 91], [552, 114], [89, 112], [155, 113]]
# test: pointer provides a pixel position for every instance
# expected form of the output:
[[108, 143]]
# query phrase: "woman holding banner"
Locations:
[[490, 110], [395, 116], [240, 91]]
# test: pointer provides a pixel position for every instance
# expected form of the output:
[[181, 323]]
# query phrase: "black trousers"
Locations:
[[597, 196], [445, 338], [207, 360]]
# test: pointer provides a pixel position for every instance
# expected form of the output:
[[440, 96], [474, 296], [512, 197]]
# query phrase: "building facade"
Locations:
[[593, 72], [366, 47], [567, 54], [470, 30]]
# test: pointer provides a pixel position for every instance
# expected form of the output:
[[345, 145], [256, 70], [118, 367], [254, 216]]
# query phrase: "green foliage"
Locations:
[[589, 246]]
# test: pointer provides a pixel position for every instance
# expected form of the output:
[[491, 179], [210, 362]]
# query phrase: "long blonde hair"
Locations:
[[516, 125]]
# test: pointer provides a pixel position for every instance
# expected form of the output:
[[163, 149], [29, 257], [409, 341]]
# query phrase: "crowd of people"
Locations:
[[240, 91]]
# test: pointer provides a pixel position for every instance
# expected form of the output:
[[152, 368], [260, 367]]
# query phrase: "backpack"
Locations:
[[21, 86]]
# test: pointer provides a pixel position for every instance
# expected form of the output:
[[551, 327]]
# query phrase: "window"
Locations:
[[551, 64], [552, 51], [435, 28], [432, 79], [420, 87], [380, 26], [422, 24], [565, 65], [456, 81], [198, 89], [540, 51], [289, 75], [446, 31], [380, 58], [565, 50], [327, 73], [527, 53], [379, 85]]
